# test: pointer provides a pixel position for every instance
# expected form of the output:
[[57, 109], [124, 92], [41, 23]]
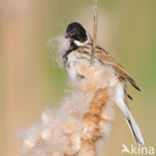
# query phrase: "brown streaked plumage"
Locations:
[[106, 58]]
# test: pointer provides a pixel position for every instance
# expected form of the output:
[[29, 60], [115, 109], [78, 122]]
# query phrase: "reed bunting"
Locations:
[[79, 50]]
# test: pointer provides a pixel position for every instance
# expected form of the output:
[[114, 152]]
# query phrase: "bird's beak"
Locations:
[[67, 36]]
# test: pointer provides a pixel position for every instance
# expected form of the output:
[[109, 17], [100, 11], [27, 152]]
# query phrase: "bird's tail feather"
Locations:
[[120, 102], [138, 136]]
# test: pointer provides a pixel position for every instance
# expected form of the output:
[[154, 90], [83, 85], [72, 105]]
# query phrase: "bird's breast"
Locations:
[[93, 76], [73, 61]]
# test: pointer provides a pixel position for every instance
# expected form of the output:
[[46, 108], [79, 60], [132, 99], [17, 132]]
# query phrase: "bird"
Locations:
[[80, 48]]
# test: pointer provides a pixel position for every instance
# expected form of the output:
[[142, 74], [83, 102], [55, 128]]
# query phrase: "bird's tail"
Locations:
[[138, 136], [120, 102]]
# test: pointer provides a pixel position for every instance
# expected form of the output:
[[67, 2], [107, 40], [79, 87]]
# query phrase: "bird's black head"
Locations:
[[76, 31]]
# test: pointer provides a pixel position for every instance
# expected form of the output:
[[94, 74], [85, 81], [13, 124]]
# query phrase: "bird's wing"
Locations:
[[106, 58]]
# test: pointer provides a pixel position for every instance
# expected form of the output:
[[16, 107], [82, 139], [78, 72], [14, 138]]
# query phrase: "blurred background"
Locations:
[[29, 83]]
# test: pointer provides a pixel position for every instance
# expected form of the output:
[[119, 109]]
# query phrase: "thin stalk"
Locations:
[[94, 31]]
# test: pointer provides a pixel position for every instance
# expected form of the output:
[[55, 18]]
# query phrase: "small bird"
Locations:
[[80, 48]]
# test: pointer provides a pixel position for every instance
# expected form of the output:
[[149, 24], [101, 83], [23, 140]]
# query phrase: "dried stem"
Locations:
[[82, 123], [94, 31], [92, 119], [73, 136]]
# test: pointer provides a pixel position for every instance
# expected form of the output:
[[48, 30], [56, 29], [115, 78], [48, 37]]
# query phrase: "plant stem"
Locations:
[[94, 31]]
